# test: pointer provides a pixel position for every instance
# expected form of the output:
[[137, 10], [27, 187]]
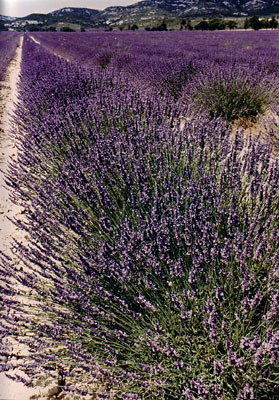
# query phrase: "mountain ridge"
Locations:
[[146, 10]]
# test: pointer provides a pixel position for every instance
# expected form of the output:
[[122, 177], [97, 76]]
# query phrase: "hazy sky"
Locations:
[[21, 8]]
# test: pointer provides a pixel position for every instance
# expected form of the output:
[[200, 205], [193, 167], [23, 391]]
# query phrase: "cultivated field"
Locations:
[[147, 173]]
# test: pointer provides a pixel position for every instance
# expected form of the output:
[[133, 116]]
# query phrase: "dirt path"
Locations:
[[8, 150], [53, 52], [9, 390], [35, 40]]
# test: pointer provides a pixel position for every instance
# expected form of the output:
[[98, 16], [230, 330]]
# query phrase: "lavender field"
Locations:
[[8, 43], [148, 171]]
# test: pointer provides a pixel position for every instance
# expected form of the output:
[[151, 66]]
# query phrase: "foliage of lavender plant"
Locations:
[[8, 44], [153, 255], [233, 93]]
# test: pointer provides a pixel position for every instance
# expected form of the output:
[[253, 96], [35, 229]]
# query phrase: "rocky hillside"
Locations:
[[147, 11]]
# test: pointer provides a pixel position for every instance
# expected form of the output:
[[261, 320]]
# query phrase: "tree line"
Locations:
[[253, 22], [256, 23]]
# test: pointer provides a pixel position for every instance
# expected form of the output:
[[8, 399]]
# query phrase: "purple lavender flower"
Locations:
[[218, 367], [187, 393], [248, 393]]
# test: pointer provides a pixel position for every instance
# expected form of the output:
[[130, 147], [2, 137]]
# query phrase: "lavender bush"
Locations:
[[152, 264], [234, 93]]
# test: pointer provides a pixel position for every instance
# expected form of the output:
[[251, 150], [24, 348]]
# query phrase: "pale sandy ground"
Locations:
[[53, 52], [9, 390], [264, 129]]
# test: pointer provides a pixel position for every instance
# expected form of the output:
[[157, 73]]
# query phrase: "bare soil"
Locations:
[[9, 389]]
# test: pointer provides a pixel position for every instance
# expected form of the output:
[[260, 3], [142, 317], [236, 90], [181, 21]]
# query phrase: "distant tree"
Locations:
[[246, 23], [67, 29], [255, 23], [183, 24], [162, 26], [82, 29], [231, 24], [121, 27], [189, 25], [108, 29], [134, 27], [33, 28], [51, 29], [265, 23], [216, 24], [273, 23], [202, 26]]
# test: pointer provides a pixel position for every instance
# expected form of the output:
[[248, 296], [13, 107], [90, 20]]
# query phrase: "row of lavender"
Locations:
[[234, 71], [123, 48], [8, 44], [153, 255]]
